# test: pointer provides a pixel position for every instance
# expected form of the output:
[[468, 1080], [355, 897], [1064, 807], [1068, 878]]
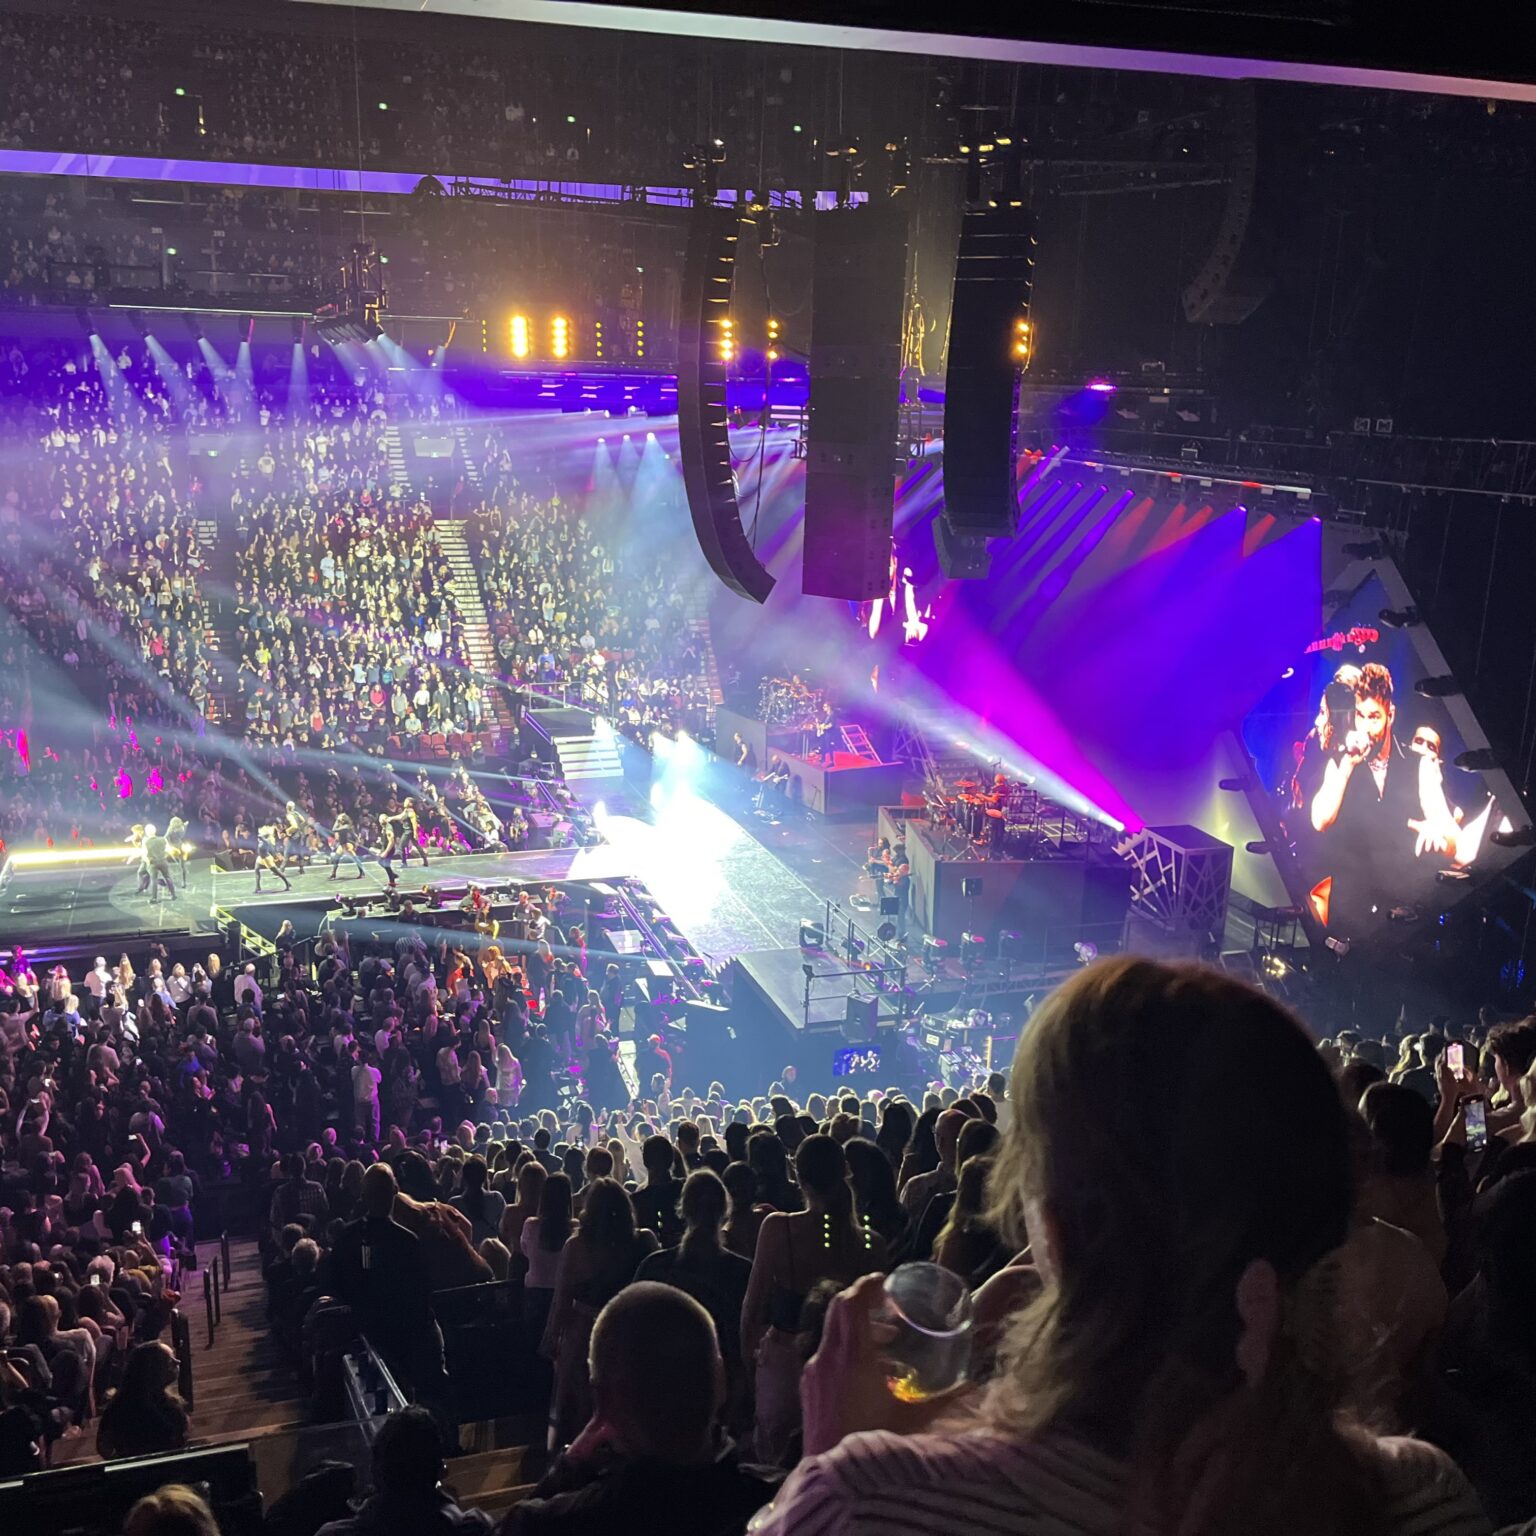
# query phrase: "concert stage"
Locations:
[[848, 783], [57, 910]]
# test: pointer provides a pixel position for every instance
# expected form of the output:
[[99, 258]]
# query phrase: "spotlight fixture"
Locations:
[[1260, 848], [559, 338], [1437, 687], [518, 336], [139, 324], [193, 325], [87, 325], [1234, 786], [1400, 618], [1086, 951], [1477, 759]]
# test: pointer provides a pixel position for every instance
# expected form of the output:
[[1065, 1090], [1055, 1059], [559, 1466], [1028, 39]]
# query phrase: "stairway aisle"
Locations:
[[453, 537], [467, 457], [394, 449], [217, 582], [243, 1385], [698, 624]]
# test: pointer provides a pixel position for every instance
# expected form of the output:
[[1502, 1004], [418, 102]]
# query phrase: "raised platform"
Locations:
[[836, 786]]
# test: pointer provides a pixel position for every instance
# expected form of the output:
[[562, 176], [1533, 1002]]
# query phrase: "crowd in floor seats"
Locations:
[[1187, 1266]]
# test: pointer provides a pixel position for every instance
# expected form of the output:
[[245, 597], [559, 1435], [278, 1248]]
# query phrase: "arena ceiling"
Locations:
[[1383, 44]]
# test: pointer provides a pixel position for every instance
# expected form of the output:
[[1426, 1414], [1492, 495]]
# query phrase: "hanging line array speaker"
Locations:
[[858, 297], [709, 269], [990, 341]]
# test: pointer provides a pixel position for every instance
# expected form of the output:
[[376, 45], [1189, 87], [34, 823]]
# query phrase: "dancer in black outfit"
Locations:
[[270, 857], [345, 845]]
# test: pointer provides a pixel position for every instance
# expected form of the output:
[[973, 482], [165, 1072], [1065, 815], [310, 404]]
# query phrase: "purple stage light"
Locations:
[[1101, 387]]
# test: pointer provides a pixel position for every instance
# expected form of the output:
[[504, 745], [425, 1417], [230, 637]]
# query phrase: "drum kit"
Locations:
[[789, 702]]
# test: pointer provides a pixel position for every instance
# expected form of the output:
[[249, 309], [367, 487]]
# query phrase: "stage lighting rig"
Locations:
[[359, 300]]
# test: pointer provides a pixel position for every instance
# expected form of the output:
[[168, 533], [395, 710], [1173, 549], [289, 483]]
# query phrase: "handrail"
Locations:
[[224, 1255], [181, 1342], [208, 1301], [372, 1390]]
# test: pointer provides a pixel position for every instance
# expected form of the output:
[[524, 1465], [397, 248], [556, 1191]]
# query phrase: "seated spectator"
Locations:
[[650, 1457], [407, 1498], [174, 1510], [145, 1416], [1181, 1358]]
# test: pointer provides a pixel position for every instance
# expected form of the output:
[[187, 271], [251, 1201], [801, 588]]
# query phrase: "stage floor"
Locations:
[[732, 882]]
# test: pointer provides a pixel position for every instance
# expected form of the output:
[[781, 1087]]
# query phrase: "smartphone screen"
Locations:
[[1455, 1057], [95, 1279], [138, 1228], [1475, 1113]]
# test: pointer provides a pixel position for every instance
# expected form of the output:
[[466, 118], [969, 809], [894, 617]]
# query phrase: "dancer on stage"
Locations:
[[156, 866], [344, 845], [271, 856], [296, 834], [176, 850], [400, 833]]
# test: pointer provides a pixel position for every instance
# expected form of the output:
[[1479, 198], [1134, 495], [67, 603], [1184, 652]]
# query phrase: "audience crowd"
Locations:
[[550, 104], [243, 244], [305, 604], [1203, 1279]]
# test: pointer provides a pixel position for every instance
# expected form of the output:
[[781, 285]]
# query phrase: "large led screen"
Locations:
[[1377, 822]]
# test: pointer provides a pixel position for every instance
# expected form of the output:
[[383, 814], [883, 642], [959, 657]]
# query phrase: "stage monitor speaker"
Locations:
[[970, 885], [702, 418], [859, 275], [962, 556], [989, 345], [862, 1021], [890, 906]]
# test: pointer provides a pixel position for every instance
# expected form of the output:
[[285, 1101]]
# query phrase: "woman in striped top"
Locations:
[[1177, 1163]]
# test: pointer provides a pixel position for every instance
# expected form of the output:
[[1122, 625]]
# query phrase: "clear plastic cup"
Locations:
[[930, 1308]]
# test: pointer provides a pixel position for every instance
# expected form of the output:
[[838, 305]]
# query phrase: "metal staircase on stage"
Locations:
[[856, 740], [583, 758]]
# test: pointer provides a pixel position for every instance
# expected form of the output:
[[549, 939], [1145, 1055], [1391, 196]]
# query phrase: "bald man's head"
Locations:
[[657, 1377]]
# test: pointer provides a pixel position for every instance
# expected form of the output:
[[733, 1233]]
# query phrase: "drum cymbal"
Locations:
[[967, 784]]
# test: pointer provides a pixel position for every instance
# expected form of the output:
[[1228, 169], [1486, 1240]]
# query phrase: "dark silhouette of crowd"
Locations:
[[1225, 1283], [501, 101]]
